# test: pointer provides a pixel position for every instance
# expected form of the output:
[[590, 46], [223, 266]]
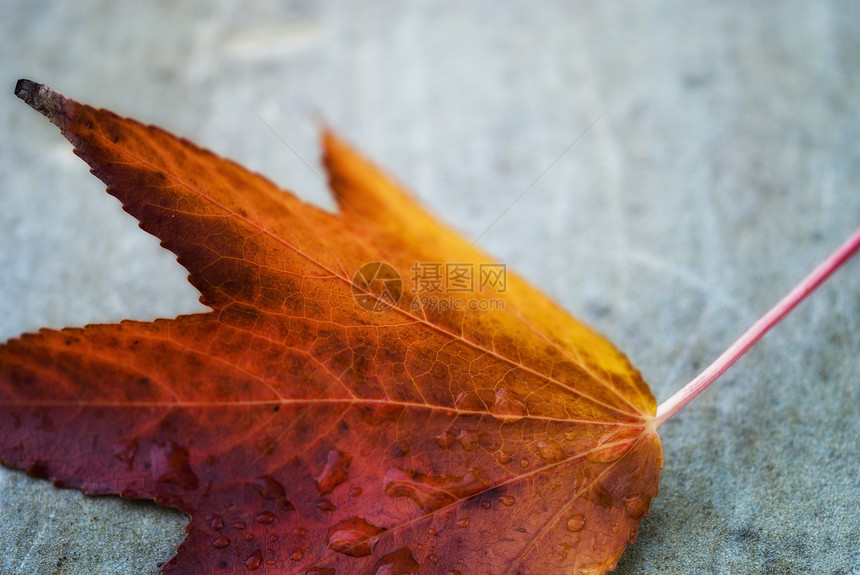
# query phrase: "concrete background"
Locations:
[[724, 166]]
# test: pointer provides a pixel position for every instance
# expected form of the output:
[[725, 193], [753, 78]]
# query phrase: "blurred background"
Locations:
[[684, 164]]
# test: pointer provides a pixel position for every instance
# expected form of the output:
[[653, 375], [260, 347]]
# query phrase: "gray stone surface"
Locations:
[[723, 166]]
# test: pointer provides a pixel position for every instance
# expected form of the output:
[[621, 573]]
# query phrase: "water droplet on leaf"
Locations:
[[221, 542], [592, 569], [576, 522], [507, 500], [431, 492], [271, 489], [550, 451], [171, 464], [265, 517], [469, 401], [469, 439], [334, 473], [254, 560], [400, 562], [636, 506], [507, 407], [354, 537], [611, 447]]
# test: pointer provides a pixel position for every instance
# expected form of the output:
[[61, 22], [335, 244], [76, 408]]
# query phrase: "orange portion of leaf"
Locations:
[[312, 423]]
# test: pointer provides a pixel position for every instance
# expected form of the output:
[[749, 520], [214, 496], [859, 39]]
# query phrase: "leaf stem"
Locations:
[[678, 401]]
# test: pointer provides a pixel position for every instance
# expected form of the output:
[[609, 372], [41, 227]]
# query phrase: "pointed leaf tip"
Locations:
[[25, 88], [39, 97]]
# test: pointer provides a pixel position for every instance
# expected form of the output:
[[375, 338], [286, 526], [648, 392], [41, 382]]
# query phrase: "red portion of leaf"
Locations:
[[301, 431]]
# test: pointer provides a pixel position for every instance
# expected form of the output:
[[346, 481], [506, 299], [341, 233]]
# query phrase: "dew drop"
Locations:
[[486, 504], [301, 531], [562, 551], [454, 572], [550, 451], [400, 562], [469, 438], [171, 464], [431, 492], [273, 538], [612, 447], [507, 500], [507, 408], [271, 562], [636, 506], [439, 370], [432, 558], [570, 435], [297, 554], [216, 523], [463, 523], [433, 532], [249, 536], [320, 571], [354, 537], [265, 517], [221, 542], [325, 505], [445, 439], [355, 491], [592, 569], [469, 401], [505, 457], [271, 489], [576, 522], [524, 462], [239, 526], [254, 560], [334, 473]]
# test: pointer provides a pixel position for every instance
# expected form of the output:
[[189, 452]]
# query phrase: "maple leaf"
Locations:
[[322, 419]]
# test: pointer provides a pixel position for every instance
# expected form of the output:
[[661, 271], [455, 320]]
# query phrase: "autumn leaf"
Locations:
[[326, 417]]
